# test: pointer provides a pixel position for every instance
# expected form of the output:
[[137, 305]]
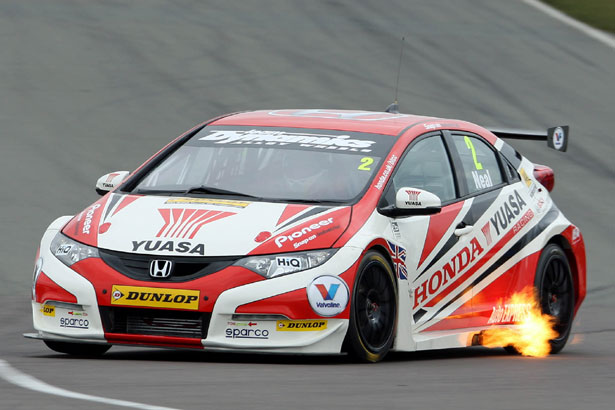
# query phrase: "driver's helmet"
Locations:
[[303, 169]]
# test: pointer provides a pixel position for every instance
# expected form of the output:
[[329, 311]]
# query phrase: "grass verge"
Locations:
[[597, 13]]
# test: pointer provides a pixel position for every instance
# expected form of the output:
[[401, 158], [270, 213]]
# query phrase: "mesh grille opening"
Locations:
[[154, 322]]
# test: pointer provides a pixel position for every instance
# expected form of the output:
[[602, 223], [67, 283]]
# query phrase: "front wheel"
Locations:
[[77, 349], [556, 292], [373, 311]]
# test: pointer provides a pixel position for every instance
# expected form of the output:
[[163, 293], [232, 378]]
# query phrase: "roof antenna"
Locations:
[[394, 108]]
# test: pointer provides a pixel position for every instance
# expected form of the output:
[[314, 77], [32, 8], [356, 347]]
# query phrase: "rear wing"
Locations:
[[556, 137]]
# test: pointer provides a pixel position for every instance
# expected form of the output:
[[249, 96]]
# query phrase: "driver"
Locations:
[[305, 173]]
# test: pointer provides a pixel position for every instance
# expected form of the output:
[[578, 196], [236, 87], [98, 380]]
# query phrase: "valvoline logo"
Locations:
[[328, 295]]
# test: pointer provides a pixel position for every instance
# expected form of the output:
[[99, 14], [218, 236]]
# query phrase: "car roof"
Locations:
[[343, 120]]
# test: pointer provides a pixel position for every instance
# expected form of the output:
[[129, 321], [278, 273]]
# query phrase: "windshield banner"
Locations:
[[316, 140]]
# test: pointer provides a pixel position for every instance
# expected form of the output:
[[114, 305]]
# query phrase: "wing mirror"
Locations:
[[109, 181], [412, 201]]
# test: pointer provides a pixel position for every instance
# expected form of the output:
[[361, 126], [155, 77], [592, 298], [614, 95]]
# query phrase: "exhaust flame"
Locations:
[[533, 329]]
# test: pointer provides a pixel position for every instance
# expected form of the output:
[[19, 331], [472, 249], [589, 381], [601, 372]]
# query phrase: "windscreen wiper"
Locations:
[[146, 191], [194, 190], [202, 189], [310, 201]]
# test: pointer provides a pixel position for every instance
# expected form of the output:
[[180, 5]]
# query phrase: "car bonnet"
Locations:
[[179, 226]]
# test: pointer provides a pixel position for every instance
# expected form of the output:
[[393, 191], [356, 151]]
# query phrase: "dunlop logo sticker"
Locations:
[[48, 310], [300, 325], [155, 297]]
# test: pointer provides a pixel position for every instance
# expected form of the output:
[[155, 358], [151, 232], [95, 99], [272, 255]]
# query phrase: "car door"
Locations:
[[498, 204], [430, 241]]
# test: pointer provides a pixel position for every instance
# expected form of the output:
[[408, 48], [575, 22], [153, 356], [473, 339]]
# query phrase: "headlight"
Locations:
[[271, 266], [69, 251]]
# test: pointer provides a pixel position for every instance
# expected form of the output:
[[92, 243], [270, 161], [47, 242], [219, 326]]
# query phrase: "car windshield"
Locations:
[[270, 164]]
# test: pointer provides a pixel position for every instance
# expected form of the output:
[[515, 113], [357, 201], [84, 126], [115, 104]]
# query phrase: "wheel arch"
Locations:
[[385, 254], [381, 250], [563, 243]]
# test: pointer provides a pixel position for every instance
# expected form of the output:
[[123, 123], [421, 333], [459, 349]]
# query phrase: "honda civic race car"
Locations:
[[312, 232]]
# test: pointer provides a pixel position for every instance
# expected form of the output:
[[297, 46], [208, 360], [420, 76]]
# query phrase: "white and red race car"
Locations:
[[312, 232]]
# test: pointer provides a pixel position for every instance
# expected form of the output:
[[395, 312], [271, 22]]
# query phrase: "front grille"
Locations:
[[136, 266], [154, 322]]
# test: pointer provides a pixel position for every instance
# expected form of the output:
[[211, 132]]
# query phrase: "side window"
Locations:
[[481, 168], [425, 166]]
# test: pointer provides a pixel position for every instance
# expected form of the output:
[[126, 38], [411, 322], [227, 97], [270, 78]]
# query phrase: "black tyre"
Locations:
[[78, 349], [373, 309], [555, 289]]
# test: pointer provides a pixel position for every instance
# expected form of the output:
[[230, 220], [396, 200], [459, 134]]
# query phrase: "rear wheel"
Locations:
[[77, 349], [556, 292], [373, 310]]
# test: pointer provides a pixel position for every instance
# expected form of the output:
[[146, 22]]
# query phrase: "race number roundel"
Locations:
[[328, 295]]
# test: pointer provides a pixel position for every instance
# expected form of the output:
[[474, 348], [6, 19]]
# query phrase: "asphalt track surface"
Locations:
[[92, 87]]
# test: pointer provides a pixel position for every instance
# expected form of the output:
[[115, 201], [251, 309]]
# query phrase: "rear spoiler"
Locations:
[[556, 137]]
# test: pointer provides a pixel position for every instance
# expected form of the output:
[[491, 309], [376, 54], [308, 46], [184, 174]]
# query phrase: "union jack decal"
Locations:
[[398, 254]]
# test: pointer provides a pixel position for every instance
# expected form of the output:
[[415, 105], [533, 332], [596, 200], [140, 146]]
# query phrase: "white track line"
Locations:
[[601, 36], [18, 378]]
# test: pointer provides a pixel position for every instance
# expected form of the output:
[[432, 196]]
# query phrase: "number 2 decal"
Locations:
[[365, 163], [470, 146]]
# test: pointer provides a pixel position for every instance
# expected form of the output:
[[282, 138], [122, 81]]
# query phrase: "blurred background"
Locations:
[[93, 87]]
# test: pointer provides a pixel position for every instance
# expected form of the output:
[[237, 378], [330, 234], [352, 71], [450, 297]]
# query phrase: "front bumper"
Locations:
[[237, 310]]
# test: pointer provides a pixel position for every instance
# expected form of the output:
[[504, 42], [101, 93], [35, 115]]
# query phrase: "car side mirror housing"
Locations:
[[110, 181], [412, 201]]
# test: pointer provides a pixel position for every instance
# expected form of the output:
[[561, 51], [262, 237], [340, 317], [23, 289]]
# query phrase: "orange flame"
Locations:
[[533, 329]]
